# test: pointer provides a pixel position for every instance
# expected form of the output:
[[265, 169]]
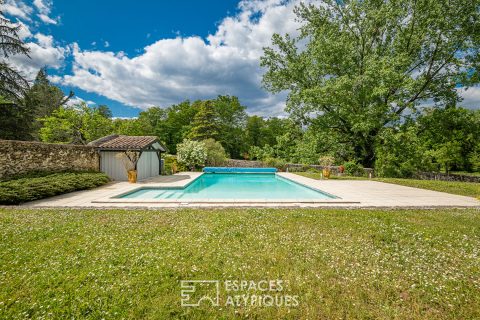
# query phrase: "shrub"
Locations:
[[400, 153], [191, 153], [326, 161], [261, 153], [353, 169], [171, 164], [275, 163], [216, 155], [28, 189], [474, 159]]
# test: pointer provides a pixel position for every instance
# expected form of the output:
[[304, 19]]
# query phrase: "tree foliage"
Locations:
[[216, 155], [359, 65], [205, 123], [42, 99], [16, 122], [12, 84], [438, 139], [79, 124]]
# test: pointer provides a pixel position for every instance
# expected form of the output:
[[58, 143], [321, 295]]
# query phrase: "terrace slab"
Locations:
[[350, 193]]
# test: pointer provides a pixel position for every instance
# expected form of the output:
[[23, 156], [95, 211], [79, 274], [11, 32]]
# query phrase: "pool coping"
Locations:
[[117, 198], [353, 193]]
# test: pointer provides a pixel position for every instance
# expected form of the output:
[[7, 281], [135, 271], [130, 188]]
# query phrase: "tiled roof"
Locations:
[[120, 142]]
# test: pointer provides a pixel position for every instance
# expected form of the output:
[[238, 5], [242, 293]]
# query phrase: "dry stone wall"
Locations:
[[17, 157], [235, 163]]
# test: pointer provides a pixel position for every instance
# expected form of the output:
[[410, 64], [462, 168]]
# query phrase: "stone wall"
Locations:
[[446, 177], [235, 163], [17, 157], [295, 167]]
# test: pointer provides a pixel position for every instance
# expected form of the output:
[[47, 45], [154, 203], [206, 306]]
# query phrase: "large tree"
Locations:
[[78, 124], [45, 97], [231, 123], [42, 98], [12, 84], [359, 65], [205, 123], [15, 119]]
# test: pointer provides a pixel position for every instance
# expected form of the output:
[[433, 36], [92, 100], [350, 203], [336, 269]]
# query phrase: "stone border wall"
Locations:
[[446, 177], [18, 157], [235, 163], [293, 167]]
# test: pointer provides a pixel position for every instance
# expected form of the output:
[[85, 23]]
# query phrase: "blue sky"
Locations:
[[112, 26], [132, 55]]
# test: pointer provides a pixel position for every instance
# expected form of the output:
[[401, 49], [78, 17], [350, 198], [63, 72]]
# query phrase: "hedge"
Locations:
[[34, 188]]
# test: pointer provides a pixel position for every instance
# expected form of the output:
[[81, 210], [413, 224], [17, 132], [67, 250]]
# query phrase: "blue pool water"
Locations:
[[234, 186]]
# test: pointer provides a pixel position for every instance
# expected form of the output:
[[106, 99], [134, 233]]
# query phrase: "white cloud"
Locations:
[[24, 31], [172, 70], [77, 100], [42, 53], [44, 40], [46, 19], [44, 8], [471, 97], [17, 9]]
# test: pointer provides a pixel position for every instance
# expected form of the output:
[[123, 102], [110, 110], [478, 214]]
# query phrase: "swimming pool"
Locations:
[[237, 186]]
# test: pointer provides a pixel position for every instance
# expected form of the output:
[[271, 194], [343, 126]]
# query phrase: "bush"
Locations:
[[400, 153], [276, 163], [326, 161], [216, 155], [261, 153], [171, 165], [353, 169], [474, 159], [191, 153], [28, 189]]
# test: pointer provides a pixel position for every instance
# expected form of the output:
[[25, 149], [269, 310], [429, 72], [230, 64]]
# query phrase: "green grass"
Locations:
[[470, 189], [342, 264], [39, 186]]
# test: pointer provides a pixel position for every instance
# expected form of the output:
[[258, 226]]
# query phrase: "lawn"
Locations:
[[404, 264], [469, 189]]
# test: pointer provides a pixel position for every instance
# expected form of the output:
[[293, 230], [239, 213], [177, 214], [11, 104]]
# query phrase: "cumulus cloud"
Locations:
[[47, 19], [74, 101], [43, 49], [171, 70], [471, 97], [42, 53], [24, 31], [44, 8], [17, 9]]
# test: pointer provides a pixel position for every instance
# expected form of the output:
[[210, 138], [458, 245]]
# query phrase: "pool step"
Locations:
[[167, 194]]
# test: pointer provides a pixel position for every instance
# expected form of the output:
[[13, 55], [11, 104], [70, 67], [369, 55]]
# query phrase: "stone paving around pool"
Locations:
[[351, 193]]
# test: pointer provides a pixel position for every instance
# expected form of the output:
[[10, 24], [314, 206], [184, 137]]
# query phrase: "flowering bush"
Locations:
[[191, 153], [326, 161]]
